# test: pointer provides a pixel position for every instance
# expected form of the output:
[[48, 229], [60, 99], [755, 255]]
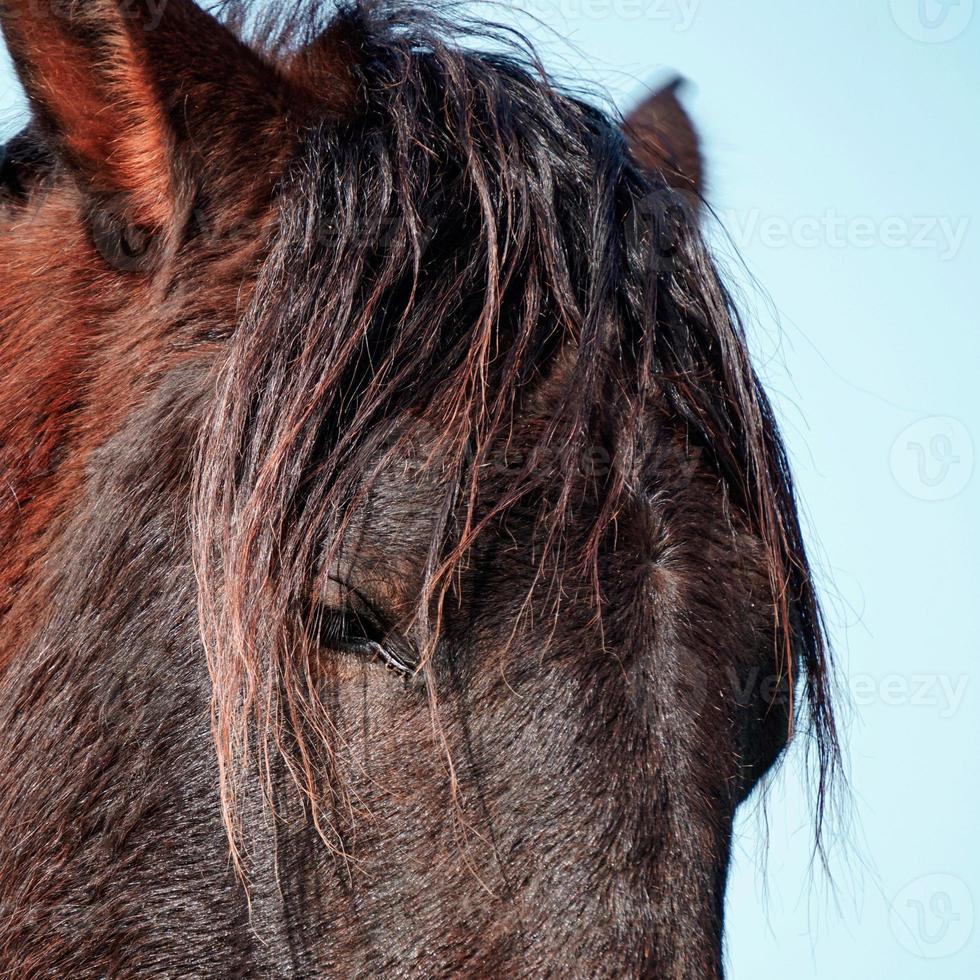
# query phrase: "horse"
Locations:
[[401, 570]]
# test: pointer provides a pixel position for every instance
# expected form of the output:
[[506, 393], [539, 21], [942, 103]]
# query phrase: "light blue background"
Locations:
[[843, 142]]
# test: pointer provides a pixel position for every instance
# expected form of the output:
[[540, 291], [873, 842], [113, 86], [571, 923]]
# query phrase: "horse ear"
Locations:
[[663, 139], [326, 68], [119, 85]]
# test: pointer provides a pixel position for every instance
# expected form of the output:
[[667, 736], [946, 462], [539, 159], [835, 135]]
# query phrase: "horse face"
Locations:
[[570, 797], [488, 642]]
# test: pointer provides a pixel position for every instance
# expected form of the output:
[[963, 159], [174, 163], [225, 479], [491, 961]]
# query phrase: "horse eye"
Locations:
[[124, 245], [22, 161], [351, 632], [13, 171]]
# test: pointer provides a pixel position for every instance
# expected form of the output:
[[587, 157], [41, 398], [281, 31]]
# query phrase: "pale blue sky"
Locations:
[[843, 150]]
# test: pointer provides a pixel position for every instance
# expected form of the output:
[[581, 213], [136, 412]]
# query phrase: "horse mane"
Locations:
[[441, 249]]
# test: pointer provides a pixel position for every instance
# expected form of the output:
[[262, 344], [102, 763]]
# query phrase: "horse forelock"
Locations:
[[467, 237]]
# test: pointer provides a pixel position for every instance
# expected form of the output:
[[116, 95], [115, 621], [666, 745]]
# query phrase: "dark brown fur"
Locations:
[[357, 317]]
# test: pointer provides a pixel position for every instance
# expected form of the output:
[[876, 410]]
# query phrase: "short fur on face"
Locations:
[[361, 320]]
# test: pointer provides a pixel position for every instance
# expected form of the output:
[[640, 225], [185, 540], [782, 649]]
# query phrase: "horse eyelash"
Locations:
[[350, 631]]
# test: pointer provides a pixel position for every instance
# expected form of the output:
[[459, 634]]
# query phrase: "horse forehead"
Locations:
[[388, 535]]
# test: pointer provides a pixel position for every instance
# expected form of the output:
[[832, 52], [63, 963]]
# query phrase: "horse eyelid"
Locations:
[[366, 638], [392, 661]]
